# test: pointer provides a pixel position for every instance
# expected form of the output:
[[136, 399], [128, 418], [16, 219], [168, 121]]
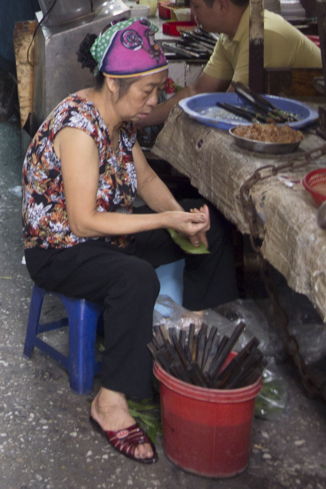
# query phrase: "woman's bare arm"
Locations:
[[79, 158], [203, 84]]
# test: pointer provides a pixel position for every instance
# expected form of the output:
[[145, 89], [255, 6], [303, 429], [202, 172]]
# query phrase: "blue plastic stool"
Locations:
[[171, 281], [83, 318]]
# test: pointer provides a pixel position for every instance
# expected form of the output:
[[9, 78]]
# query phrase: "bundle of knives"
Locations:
[[201, 356], [258, 108], [196, 44]]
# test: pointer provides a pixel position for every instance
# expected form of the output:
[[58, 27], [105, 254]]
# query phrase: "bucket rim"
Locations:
[[239, 394]]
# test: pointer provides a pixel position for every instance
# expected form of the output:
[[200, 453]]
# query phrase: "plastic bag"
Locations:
[[173, 315], [247, 311], [272, 399]]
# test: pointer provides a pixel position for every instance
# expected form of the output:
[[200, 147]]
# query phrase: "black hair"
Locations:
[[238, 3], [86, 59]]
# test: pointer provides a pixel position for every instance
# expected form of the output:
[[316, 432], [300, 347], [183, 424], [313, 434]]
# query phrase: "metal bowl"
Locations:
[[263, 147]]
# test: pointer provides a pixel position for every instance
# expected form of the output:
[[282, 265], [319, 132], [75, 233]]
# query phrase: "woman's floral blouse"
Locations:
[[45, 220]]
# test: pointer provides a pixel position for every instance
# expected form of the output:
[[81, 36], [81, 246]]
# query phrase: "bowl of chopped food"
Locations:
[[267, 138]]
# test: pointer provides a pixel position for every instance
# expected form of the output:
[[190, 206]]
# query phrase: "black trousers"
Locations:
[[125, 282]]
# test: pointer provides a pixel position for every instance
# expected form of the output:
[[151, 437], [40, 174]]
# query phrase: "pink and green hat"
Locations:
[[128, 48]]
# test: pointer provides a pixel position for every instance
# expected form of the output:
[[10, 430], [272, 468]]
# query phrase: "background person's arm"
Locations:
[[203, 84]]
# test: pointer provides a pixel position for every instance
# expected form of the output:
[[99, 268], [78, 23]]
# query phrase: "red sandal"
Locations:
[[127, 440]]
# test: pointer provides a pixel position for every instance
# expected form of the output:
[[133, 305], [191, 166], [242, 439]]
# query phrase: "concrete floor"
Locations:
[[46, 441]]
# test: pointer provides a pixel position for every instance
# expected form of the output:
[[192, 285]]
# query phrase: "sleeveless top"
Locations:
[[45, 220]]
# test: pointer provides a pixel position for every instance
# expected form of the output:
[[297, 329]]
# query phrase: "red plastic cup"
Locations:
[[315, 183]]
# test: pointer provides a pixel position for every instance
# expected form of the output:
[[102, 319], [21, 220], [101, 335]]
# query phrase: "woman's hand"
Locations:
[[201, 237], [193, 224]]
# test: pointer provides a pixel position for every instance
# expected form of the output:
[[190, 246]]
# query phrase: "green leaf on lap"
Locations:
[[185, 244]]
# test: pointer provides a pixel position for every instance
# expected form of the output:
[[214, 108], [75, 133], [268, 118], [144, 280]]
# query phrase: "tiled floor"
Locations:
[[46, 441]]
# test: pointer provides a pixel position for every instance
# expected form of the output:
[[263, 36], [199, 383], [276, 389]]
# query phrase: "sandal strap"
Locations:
[[128, 439]]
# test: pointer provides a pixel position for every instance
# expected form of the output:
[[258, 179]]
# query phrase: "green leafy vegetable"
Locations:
[[185, 244], [147, 413]]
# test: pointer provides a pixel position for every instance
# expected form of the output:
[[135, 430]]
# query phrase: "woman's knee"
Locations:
[[141, 279]]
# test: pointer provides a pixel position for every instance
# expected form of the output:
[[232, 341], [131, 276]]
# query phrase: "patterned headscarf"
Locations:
[[128, 48]]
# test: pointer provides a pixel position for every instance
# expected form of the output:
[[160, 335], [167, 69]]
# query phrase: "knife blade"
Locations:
[[183, 52], [190, 36], [260, 102], [247, 114], [197, 48]]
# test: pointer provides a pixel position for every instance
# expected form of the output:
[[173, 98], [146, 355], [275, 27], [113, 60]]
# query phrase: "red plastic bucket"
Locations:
[[206, 431]]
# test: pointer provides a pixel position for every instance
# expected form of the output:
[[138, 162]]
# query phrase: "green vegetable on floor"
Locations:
[[147, 414], [185, 244]]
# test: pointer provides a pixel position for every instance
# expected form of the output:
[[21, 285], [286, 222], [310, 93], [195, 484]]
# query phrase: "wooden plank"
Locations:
[[321, 130], [292, 82], [24, 54], [256, 46], [321, 19]]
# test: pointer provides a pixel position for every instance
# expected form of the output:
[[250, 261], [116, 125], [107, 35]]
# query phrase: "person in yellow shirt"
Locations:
[[284, 46]]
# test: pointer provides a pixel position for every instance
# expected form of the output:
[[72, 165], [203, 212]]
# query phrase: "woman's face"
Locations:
[[141, 97]]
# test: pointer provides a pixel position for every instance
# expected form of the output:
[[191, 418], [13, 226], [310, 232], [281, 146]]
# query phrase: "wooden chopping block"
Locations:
[[24, 55]]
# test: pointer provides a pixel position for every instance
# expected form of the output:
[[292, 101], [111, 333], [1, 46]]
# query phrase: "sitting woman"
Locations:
[[83, 237]]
